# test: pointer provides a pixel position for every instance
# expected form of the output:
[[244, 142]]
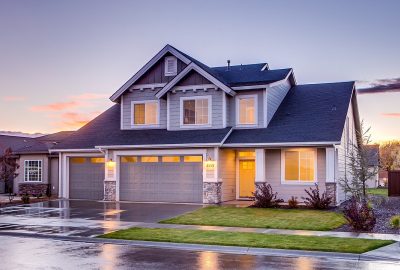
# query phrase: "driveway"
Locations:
[[85, 218]]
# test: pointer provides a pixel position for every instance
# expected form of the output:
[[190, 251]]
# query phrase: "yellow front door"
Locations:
[[246, 178]]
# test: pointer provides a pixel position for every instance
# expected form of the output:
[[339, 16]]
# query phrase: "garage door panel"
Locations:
[[161, 181], [86, 179]]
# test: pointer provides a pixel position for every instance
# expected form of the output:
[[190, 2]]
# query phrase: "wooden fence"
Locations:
[[394, 183]]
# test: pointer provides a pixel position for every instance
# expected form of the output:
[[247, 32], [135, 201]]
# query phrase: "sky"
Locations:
[[60, 61]]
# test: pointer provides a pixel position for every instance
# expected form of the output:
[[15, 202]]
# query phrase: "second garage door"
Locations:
[[86, 178], [161, 179]]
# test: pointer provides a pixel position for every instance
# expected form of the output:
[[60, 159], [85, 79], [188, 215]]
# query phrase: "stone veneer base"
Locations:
[[212, 192], [331, 191], [110, 190]]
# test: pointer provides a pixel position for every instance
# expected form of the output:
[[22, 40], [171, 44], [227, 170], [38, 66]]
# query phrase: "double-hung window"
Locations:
[[145, 113], [246, 107], [196, 110], [33, 171], [299, 166]]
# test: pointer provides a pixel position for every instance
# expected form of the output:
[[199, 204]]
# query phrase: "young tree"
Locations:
[[389, 152], [8, 168], [359, 170]]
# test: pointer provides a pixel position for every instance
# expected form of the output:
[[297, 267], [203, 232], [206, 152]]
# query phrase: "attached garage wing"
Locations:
[[161, 179], [86, 178]]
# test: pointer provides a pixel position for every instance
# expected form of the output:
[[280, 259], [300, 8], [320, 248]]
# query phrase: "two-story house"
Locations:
[[181, 131]]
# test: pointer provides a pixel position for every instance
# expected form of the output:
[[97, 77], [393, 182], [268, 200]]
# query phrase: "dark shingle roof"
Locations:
[[373, 154], [105, 130], [14, 142], [309, 113], [44, 143]]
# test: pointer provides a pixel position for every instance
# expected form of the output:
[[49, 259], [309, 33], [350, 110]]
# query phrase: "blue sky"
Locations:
[[61, 60]]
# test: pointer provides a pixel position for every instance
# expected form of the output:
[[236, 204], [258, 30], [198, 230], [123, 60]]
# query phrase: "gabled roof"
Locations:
[[308, 114], [105, 130], [42, 145], [13, 142]]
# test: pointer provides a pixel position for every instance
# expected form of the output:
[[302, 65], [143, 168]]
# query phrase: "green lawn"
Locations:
[[378, 191], [259, 240], [295, 219]]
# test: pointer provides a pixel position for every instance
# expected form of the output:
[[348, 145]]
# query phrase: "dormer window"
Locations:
[[246, 110], [171, 66]]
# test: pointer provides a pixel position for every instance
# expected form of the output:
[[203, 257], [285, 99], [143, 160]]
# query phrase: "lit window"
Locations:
[[247, 154], [77, 160], [196, 111], [171, 159], [299, 165], [171, 66], [247, 110], [129, 159], [146, 159], [193, 159], [97, 160], [145, 113], [33, 171]]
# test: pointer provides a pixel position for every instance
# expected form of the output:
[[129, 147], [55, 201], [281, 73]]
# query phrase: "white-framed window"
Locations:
[[145, 113], [299, 166], [195, 111], [246, 110], [170, 66], [33, 171]]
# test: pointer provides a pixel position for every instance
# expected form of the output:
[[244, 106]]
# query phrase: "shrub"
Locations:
[[315, 200], [265, 198], [293, 202], [38, 195], [360, 215], [25, 198], [395, 222]]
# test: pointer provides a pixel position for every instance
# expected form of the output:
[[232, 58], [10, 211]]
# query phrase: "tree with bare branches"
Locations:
[[8, 168]]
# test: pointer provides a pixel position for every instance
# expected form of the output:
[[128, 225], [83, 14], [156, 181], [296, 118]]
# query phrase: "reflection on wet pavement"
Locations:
[[33, 253]]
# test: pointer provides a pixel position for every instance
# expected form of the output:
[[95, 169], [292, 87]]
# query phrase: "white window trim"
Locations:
[[41, 170], [238, 97], [209, 124], [133, 125], [298, 182], [166, 72]]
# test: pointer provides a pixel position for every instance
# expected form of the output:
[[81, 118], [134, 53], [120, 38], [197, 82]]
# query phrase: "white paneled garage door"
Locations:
[[86, 178], [161, 178]]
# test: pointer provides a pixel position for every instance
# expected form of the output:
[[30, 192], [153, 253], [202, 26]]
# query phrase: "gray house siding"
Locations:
[[216, 107], [260, 106], [275, 96], [45, 170], [138, 95], [193, 78], [156, 73], [286, 191]]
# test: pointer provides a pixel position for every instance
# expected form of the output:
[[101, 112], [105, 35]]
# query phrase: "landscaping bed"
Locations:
[[16, 202], [294, 219], [244, 239]]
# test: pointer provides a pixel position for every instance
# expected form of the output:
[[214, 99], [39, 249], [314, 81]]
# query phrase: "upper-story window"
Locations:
[[144, 113], [246, 108], [33, 171], [171, 66], [196, 110]]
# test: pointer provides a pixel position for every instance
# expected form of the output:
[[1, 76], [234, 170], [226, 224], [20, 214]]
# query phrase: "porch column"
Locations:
[[110, 181], [260, 167], [212, 184], [330, 181]]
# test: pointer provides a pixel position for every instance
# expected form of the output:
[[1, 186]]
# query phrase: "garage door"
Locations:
[[86, 178], [161, 179]]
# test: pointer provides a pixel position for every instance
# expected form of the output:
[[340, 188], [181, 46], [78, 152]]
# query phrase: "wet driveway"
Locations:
[[32, 253], [85, 218]]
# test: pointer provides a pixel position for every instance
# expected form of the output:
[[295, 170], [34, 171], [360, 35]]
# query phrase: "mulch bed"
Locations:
[[18, 202], [385, 208]]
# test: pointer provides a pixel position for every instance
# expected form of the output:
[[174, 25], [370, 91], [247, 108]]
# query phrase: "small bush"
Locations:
[[265, 198], [315, 200], [360, 215], [395, 222], [25, 198], [38, 195], [293, 202]]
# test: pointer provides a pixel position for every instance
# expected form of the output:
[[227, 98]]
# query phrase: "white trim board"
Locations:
[[237, 111]]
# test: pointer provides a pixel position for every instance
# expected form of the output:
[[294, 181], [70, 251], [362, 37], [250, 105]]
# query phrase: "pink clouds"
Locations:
[[89, 96], [392, 115], [14, 98], [57, 106], [72, 120]]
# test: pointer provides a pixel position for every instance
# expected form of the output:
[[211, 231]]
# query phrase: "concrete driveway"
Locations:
[[85, 218]]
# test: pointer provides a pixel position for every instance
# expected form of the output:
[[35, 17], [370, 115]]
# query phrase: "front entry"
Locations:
[[246, 178]]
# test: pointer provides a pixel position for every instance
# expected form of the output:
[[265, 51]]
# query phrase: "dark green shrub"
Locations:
[[395, 222], [316, 200], [265, 198], [25, 198], [293, 202]]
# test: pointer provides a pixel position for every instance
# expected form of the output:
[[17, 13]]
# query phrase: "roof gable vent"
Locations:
[[171, 66]]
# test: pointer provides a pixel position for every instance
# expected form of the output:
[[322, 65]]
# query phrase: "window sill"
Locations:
[[299, 183], [194, 126], [170, 74], [33, 182], [144, 126]]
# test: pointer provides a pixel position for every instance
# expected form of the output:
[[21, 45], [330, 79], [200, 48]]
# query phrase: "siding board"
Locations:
[[275, 96]]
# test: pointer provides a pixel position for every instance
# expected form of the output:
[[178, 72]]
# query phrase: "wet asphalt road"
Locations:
[[34, 253]]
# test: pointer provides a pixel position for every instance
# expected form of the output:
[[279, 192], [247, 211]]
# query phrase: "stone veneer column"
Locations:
[[110, 190], [212, 192], [331, 191]]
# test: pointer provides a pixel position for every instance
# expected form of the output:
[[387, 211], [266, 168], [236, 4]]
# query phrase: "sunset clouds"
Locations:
[[392, 115], [57, 106], [379, 86], [73, 120], [14, 98]]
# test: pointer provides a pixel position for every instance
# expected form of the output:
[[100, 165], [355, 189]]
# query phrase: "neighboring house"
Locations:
[[373, 163], [38, 171], [181, 131]]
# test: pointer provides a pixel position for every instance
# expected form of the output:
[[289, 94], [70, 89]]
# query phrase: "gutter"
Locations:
[[291, 144]]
